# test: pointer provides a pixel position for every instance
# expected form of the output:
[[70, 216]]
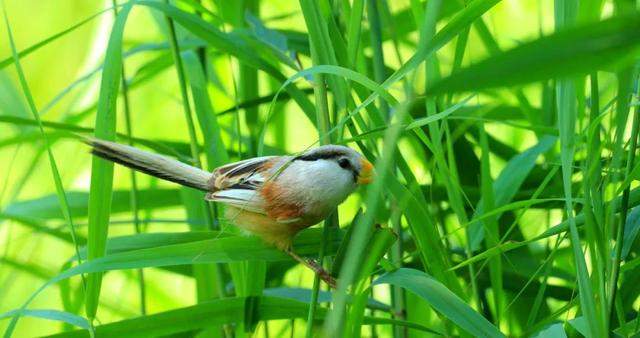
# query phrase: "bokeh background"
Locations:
[[64, 72]]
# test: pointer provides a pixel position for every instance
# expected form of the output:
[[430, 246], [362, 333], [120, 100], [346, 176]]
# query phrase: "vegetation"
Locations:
[[503, 134]]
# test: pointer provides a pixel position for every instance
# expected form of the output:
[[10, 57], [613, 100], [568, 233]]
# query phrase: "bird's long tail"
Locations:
[[159, 166]]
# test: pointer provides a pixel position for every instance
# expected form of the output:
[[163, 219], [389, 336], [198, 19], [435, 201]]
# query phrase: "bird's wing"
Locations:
[[244, 199], [242, 172], [238, 184]]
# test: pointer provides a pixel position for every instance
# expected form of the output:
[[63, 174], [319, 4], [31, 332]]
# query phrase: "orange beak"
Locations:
[[366, 173]]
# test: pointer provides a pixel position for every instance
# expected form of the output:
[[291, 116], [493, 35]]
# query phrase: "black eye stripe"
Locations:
[[320, 156]]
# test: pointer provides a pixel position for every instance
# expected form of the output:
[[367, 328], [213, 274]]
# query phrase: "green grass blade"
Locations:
[[459, 22], [562, 227], [134, 183], [60, 316], [223, 311], [361, 233], [509, 182], [229, 44], [196, 317], [354, 31], [100, 196], [621, 231], [441, 299], [613, 42], [52, 38], [492, 237], [188, 250], [208, 277], [567, 111], [54, 169]]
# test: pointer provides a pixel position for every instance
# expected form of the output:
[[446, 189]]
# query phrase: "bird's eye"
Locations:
[[344, 163]]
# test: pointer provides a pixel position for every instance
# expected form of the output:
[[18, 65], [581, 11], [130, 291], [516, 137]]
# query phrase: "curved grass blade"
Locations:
[[230, 44], [46, 207], [52, 162], [154, 240], [176, 149], [324, 69], [197, 251], [362, 229], [50, 39], [304, 295], [216, 312], [458, 23], [442, 300], [562, 227], [508, 183], [60, 316], [100, 193], [612, 42]]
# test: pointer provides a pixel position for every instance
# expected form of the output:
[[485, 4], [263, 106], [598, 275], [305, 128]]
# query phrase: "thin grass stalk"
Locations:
[[324, 137], [353, 32], [327, 49], [202, 51], [322, 112], [461, 46], [60, 192], [134, 184], [193, 142], [315, 291], [390, 26], [249, 276], [398, 300], [354, 58], [443, 172], [565, 16], [186, 107], [204, 61], [623, 216], [594, 168], [618, 123], [209, 279], [248, 82], [323, 125], [375, 32], [586, 293], [101, 186], [593, 197], [7, 177], [491, 226], [335, 322], [91, 286], [493, 48]]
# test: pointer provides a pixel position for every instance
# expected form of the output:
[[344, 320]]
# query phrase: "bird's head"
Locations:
[[344, 160]]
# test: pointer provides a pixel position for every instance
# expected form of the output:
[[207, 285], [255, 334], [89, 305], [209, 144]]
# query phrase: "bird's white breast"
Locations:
[[319, 186]]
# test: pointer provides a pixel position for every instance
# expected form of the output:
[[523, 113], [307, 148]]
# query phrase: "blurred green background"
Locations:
[[447, 175]]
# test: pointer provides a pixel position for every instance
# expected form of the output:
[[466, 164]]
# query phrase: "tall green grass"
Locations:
[[504, 204]]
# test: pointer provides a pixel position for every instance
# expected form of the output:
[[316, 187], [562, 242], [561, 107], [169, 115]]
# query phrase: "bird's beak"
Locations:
[[366, 173]]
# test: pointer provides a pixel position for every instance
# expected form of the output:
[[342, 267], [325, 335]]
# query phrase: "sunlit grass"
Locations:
[[504, 202]]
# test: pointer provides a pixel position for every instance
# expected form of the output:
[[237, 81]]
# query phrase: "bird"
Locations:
[[273, 197]]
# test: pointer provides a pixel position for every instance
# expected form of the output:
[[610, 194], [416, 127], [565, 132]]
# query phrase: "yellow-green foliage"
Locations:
[[503, 134]]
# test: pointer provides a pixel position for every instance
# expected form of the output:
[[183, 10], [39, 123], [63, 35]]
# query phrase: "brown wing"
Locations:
[[238, 184], [239, 173]]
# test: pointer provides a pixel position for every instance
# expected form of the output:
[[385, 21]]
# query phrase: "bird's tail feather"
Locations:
[[156, 165]]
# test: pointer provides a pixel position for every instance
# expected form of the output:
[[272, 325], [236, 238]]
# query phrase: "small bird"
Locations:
[[273, 197]]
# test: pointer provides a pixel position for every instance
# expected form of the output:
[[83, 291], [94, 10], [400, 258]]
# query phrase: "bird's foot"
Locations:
[[315, 267]]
